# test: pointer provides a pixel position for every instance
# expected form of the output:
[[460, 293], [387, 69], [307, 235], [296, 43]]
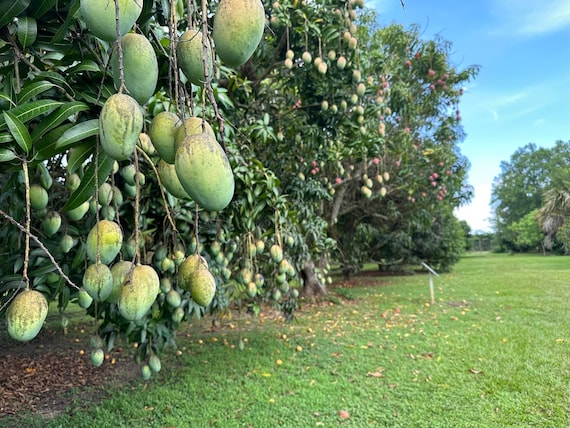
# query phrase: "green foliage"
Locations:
[[520, 186], [527, 233], [301, 170]]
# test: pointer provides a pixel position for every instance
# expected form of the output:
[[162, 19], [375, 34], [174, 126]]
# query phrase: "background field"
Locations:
[[492, 351]]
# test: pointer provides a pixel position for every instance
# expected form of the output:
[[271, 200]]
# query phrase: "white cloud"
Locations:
[[531, 17], [478, 213], [499, 103]]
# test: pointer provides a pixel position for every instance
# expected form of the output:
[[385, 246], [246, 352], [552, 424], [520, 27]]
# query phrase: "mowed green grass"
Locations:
[[493, 351]]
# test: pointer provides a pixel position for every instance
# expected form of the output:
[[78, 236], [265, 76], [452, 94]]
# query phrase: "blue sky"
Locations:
[[522, 92]]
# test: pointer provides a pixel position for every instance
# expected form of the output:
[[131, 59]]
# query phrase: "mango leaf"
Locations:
[[33, 89], [83, 66], [10, 9], [57, 117], [45, 147], [7, 98], [27, 31], [78, 156], [7, 155], [56, 78], [30, 110], [78, 132], [40, 7], [6, 137], [19, 131], [87, 186], [69, 21]]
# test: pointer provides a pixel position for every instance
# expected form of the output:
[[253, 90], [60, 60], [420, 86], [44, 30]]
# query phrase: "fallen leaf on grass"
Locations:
[[475, 371], [375, 374]]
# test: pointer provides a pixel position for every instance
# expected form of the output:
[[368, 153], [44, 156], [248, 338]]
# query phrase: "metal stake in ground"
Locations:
[[431, 273]]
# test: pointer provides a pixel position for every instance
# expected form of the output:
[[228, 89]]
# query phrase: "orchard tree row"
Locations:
[[161, 160]]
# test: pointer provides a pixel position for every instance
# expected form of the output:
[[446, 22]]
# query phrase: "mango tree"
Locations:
[[374, 121], [118, 170], [159, 163]]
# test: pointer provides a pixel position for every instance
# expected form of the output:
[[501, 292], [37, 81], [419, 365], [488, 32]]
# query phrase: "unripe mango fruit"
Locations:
[[98, 281], [162, 130], [191, 126], [77, 213], [120, 123], [170, 181], [110, 241], [190, 53], [276, 253], [51, 223], [26, 315], [120, 272], [205, 172], [140, 67], [202, 286], [99, 16], [137, 296], [238, 29], [190, 265], [38, 197]]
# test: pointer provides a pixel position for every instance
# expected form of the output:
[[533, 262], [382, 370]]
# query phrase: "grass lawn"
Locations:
[[493, 351]]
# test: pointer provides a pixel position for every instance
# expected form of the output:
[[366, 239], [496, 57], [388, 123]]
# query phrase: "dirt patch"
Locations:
[[46, 375]]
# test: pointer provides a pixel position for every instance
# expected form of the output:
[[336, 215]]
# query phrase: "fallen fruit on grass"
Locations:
[[26, 315]]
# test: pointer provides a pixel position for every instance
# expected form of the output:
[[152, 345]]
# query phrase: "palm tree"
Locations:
[[555, 206]]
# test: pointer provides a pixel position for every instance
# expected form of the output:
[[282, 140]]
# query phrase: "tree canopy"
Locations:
[[341, 138], [532, 174]]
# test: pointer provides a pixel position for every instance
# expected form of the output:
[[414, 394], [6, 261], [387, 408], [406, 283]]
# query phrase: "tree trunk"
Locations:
[[312, 286]]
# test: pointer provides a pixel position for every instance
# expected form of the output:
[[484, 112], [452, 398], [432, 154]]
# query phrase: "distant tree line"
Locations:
[[531, 200]]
